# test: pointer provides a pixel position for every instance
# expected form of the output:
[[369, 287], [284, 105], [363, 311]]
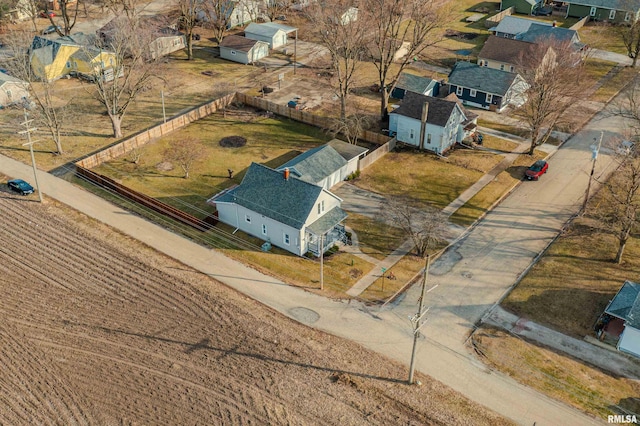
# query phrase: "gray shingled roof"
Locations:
[[266, 30], [326, 223], [347, 150], [504, 49], [483, 79], [626, 304], [240, 43], [266, 192], [633, 5], [537, 32], [513, 25], [414, 83], [315, 164], [6, 78], [439, 109]]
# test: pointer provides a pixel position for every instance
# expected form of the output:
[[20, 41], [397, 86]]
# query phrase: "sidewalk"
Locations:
[[606, 359]]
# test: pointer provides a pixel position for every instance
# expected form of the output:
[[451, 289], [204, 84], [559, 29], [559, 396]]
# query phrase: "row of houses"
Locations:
[[616, 11]]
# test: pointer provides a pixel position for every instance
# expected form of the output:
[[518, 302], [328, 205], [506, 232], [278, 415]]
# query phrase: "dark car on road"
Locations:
[[543, 11], [537, 169], [20, 186]]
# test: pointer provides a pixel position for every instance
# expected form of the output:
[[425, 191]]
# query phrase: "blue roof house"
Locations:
[[485, 87], [626, 306]]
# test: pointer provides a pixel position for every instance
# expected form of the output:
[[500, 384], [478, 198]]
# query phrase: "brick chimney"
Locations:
[[285, 174]]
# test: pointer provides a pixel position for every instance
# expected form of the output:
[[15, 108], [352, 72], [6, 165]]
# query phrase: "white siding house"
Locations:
[[269, 32], [12, 90], [282, 209], [243, 50], [446, 122]]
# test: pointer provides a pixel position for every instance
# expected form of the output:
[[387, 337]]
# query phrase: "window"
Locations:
[[247, 218], [593, 10], [627, 17], [489, 97], [286, 239], [485, 64], [473, 93], [511, 68], [429, 139], [411, 133], [459, 91], [68, 64], [481, 63], [612, 14], [318, 208], [264, 229], [502, 67], [233, 52], [322, 205]]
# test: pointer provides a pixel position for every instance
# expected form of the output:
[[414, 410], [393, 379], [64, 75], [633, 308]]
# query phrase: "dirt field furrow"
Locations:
[[98, 329]]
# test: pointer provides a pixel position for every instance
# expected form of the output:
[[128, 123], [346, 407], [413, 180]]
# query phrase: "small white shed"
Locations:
[[243, 50], [12, 90]]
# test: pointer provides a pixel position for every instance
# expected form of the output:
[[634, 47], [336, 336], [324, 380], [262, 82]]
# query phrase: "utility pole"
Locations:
[[417, 319], [594, 157], [28, 131], [322, 262]]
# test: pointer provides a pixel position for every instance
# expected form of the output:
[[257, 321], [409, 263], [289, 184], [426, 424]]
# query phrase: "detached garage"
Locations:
[[243, 50], [269, 32]]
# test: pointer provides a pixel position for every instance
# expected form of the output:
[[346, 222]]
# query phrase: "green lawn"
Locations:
[[269, 140]]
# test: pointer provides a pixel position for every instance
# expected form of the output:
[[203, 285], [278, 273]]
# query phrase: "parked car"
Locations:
[[51, 29], [47, 14], [20, 186], [536, 170], [626, 147]]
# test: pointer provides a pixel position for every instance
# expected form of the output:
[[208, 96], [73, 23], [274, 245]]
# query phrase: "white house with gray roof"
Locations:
[[626, 307], [282, 209], [485, 87], [429, 123], [325, 166], [12, 90]]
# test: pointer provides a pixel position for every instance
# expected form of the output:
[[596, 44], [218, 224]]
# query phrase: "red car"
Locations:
[[537, 169], [49, 14]]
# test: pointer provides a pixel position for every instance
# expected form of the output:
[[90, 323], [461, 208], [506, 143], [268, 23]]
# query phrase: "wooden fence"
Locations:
[[580, 23], [139, 139], [495, 19], [144, 200], [374, 156], [305, 117]]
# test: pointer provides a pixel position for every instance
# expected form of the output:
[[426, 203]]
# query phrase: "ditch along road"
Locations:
[[470, 277]]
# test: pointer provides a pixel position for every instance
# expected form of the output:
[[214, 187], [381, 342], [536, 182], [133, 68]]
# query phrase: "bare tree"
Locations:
[[352, 126], [185, 152], [395, 24], [188, 21], [630, 35], [49, 110], [134, 65], [621, 208], [553, 73], [273, 9], [344, 41], [217, 16], [426, 226]]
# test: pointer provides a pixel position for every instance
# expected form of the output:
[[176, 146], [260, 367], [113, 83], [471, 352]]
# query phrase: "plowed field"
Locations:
[[96, 328]]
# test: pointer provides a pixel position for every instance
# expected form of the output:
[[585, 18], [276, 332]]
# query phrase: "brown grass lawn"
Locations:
[[480, 203], [573, 282], [556, 375], [424, 177], [603, 37], [613, 86], [270, 140], [404, 271], [375, 238]]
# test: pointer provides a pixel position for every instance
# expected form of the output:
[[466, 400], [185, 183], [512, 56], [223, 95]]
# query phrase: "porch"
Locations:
[[333, 236]]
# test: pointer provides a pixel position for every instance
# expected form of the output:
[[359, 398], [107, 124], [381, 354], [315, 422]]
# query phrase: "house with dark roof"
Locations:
[[414, 83], [485, 87], [429, 123], [532, 31], [282, 209], [325, 166], [270, 32], [243, 50], [503, 53], [521, 6], [625, 306], [615, 11]]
